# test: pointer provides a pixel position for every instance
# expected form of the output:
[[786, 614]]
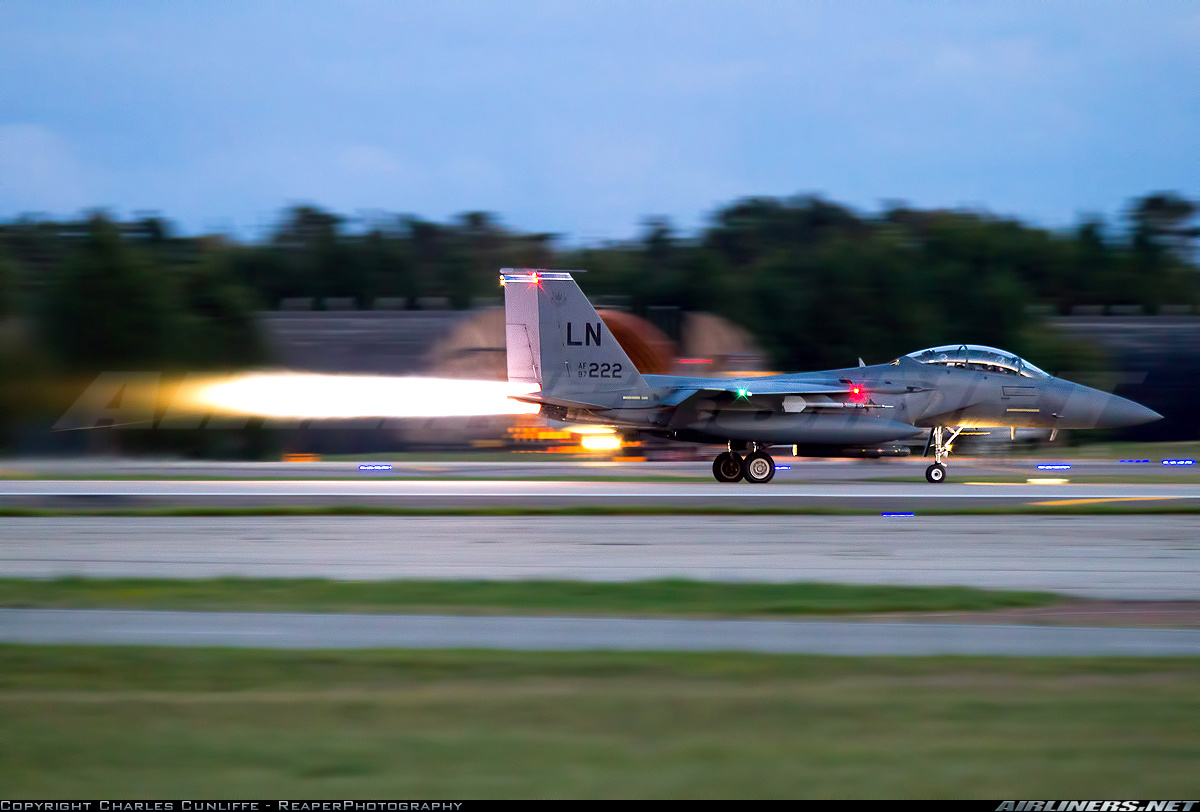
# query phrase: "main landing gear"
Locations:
[[727, 467], [941, 448], [757, 467]]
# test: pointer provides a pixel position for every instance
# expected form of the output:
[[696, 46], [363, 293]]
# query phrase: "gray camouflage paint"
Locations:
[[586, 377]]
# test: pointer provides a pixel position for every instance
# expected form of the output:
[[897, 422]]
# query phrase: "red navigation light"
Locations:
[[536, 279], [858, 393]]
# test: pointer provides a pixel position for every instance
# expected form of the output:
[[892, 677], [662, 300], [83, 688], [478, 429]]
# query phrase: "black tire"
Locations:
[[758, 468], [936, 473], [727, 467]]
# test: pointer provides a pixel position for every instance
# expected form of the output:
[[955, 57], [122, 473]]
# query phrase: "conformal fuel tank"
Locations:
[[791, 429]]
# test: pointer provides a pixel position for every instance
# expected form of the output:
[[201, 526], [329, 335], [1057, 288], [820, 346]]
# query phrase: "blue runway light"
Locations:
[[783, 467], [897, 514], [382, 466], [1179, 462], [1133, 460], [1054, 467]]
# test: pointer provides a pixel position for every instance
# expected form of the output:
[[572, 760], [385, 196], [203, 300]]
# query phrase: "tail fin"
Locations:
[[555, 338]]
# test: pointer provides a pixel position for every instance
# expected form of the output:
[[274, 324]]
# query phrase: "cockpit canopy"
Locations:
[[977, 356]]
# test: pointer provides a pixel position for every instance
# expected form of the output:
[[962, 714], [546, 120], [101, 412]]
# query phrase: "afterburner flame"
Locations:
[[305, 396], [606, 439]]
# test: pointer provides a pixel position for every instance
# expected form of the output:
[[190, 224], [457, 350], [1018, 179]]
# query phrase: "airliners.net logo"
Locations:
[[1096, 806]]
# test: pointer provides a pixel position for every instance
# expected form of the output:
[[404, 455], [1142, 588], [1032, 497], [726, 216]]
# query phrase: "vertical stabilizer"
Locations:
[[555, 338]]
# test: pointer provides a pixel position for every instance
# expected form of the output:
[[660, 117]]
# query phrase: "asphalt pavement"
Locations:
[[532, 493], [318, 631], [1130, 556], [1121, 557]]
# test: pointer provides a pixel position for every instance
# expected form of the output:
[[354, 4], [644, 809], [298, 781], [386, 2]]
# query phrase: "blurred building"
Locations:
[[366, 342], [1154, 360]]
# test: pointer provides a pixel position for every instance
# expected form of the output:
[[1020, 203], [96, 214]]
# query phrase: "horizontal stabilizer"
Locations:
[[546, 400]]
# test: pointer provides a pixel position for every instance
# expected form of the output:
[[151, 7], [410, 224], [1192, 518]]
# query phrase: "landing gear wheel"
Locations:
[[936, 473], [759, 468], [727, 467]]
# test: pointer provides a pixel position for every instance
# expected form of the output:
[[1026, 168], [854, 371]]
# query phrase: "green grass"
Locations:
[[160, 723], [663, 597], [1183, 476]]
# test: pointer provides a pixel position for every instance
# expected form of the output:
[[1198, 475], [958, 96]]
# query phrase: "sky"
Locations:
[[585, 118]]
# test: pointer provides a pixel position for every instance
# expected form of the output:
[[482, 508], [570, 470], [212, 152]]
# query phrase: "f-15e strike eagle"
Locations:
[[555, 339]]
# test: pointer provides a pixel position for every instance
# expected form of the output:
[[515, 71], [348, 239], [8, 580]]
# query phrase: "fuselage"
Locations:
[[885, 402]]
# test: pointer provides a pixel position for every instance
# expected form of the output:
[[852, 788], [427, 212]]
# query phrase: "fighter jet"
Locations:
[[556, 340]]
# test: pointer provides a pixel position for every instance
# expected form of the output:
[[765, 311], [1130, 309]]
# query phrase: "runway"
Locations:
[[1143, 557], [1116, 557], [507, 492], [320, 631], [791, 470]]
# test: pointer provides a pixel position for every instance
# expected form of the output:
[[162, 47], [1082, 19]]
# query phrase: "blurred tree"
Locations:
[[1161, 243], [313, 258], [387, 267], [216, 327], [1091, 268], [8, 286], [108, 308], [1164, 219], [818, 283], [429, 251]]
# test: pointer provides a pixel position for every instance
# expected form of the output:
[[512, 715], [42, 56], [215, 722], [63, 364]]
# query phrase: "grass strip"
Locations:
[[1114, 451], [114, 722], [418, 596], [1183, 477]]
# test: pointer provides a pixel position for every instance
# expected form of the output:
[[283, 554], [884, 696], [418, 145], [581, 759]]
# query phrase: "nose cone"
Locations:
[[1086, 408], [1119, 412]]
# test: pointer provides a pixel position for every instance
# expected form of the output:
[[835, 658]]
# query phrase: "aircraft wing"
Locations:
[[764, 386], [747, 387]]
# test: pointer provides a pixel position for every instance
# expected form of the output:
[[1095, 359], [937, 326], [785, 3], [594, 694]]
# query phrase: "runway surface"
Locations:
[[798, 469], [1127, 557], [450, 494], [314, 631]]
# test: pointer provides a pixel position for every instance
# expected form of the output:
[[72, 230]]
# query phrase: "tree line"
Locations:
[[818, 283]]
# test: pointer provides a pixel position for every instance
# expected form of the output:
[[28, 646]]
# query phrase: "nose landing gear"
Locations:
[[936, 473]]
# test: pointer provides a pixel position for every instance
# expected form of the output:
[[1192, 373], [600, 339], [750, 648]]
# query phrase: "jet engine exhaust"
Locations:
[[313, 396]]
